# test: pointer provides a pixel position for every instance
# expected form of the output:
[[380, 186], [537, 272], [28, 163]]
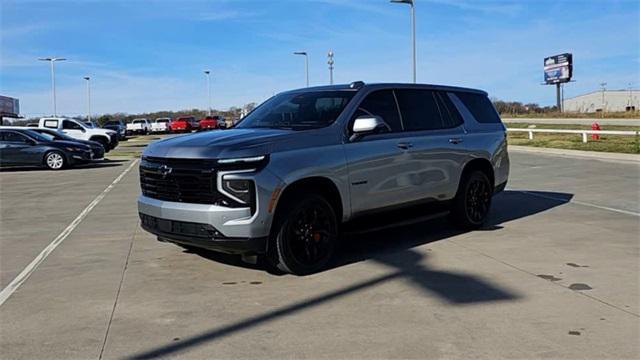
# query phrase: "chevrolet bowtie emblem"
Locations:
[[164, 170]]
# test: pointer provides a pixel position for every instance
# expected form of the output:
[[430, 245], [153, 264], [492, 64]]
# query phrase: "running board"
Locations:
[[411, 221]]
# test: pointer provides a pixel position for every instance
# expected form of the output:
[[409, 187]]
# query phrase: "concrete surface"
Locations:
[[554, 274], [598, 155], [578, 121]]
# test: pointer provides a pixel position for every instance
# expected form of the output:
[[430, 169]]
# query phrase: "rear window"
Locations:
[[138, 121], [450, 115], [51, 124], [419, 110], [480, 107]]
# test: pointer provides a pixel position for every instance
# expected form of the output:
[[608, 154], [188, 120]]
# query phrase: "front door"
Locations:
[[379, 165], [73, 129]]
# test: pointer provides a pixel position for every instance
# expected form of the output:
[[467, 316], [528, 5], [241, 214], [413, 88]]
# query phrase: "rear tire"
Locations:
[[55, 160], [304, 235], [473, 201]]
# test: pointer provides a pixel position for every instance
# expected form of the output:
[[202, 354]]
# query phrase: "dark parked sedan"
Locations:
[[21, 147], [118, 126], [96, 147]]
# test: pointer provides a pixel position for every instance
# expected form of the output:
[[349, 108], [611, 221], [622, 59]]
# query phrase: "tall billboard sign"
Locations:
[[558, 69], [9, 107]]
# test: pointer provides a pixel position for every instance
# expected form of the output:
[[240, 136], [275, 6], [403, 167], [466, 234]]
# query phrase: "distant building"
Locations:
[[614, 100]]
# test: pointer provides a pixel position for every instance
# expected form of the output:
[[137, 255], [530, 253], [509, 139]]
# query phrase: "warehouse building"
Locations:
[[607, 100]]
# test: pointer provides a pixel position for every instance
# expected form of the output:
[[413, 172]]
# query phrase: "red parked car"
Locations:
[[212, 122], [183, 124]]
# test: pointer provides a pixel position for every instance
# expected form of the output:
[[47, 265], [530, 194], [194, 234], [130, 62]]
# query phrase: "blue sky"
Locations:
[[149, 55]]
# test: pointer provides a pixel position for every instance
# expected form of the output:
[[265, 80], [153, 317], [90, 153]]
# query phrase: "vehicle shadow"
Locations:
[[395, 249], [507, 206]]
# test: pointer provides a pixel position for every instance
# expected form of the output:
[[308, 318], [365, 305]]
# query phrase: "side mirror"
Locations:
[[366, 125], [31, 142]]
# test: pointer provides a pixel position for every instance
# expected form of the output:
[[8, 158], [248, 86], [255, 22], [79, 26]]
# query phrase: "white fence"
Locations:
[[584, 133]]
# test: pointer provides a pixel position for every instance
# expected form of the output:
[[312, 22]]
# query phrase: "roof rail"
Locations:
[[356, 84]]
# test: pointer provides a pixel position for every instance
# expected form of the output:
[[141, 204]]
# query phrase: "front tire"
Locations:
[[305, 235], [54, 160], [473, 201]]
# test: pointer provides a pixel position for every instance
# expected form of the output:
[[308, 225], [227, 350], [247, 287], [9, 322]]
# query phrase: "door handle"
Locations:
[[455, 140], [405, 145]]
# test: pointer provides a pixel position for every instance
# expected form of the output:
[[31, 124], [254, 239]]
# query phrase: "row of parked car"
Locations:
[[55, 143], [168, 125]]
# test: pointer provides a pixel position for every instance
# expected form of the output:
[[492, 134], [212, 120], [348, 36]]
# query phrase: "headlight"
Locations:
[[237, 187], [73, 149]]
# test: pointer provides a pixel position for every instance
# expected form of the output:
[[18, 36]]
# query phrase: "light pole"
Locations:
[[208, 73], [53, 80], [603, 85], [306, 63], [88, 97], [330, 62], [413, 31]]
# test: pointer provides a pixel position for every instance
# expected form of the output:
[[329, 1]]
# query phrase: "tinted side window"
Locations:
[[70, 125], [480, 107], [381, 103], [450, 115], [10, 136], [419, 110]]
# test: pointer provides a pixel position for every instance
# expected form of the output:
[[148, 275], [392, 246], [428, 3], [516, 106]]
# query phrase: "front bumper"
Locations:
[[80, 157], [232, 230], [114, 141], [201, 235]]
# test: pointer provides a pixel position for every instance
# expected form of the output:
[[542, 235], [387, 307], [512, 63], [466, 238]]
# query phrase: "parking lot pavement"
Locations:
[[553, 274]]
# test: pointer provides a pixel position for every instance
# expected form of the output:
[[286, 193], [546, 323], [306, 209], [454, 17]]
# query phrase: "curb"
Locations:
[[577, 153]]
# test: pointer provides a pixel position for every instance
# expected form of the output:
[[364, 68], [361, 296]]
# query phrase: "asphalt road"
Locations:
[[554, 274]]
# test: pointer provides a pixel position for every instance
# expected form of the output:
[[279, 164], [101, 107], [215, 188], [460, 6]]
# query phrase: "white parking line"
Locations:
[[627, 212], [24, 275]]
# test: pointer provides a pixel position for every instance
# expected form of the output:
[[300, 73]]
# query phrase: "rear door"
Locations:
[[379, 165], [435, 132]]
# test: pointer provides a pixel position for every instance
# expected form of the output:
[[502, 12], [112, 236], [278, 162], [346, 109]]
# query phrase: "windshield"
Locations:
[[162, 120], [299, 111]]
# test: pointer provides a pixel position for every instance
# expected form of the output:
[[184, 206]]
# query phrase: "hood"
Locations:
[[221, 144]]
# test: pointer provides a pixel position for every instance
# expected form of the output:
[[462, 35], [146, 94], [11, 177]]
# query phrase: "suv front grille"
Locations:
[[181, 180]]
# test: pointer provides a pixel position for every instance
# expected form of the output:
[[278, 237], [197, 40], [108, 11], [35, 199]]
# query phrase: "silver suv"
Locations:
[[306, 163]]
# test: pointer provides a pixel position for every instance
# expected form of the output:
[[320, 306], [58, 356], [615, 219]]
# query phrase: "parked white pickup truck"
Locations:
[[78, 130], [139, 126], [160, 125]]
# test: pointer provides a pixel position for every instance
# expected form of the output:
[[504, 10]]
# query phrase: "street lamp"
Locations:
[[208, 73], [413, 31], [306, 63], [88, 97], [53, 80], [330, 62]]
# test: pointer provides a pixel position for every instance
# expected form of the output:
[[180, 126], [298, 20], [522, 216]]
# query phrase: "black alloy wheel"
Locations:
[[477, 199], [307, 235], [473, 200]]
